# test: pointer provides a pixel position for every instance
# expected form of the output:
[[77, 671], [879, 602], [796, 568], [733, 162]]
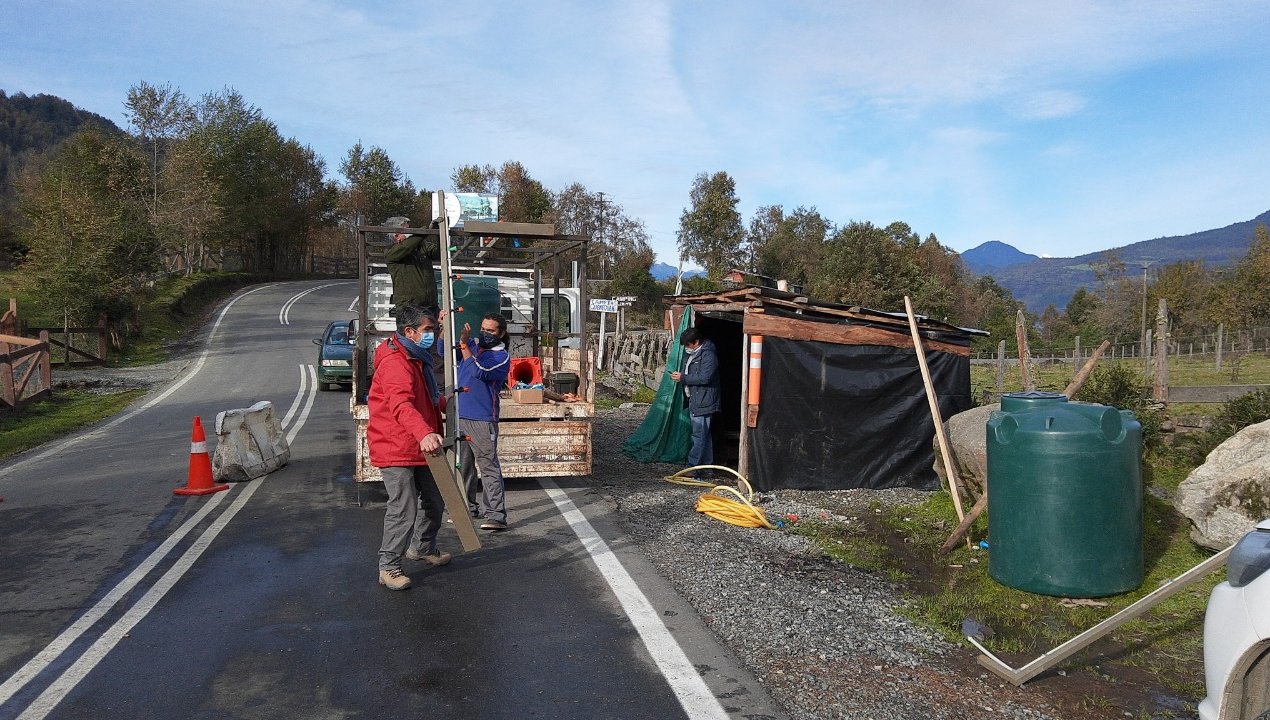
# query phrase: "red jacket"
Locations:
[[401, 410]]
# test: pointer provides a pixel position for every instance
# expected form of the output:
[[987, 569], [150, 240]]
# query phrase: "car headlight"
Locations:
[[334, 363], [1251, 556]]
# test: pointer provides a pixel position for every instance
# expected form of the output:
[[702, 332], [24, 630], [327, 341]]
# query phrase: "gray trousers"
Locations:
[[478, 464], [412, 515]]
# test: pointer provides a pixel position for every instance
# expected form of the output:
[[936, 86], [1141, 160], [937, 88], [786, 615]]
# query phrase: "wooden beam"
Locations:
[[480, 227], [1079, 381], [1025, 357], [954, 488], [980, 505], [841, 334]]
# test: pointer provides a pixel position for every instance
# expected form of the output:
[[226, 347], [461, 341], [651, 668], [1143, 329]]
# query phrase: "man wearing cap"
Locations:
[[410, 264]]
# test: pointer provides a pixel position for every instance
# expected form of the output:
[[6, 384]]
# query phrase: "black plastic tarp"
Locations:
[[850, 416]]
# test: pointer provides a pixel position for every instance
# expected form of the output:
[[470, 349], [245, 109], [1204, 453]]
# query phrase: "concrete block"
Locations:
[[249, 443]]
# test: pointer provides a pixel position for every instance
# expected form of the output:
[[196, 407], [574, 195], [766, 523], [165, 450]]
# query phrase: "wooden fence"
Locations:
[[21, 361], [79, 345]]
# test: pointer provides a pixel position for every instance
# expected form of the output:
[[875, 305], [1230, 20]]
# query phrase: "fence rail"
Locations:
[[30, 361]]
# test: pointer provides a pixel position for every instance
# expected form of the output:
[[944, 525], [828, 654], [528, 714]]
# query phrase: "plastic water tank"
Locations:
[[1064, 496]]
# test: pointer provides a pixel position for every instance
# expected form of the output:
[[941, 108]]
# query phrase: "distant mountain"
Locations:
[[661, 271], [1047, 281], [992, 255]]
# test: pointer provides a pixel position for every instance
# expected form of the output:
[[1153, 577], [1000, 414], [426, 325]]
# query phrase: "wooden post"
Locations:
[[46, 365], [1000, 368], [1076, 356], [953, 485], [1025, 357], [1221, 327], [743, 442], [8, 396], [1160, 388], [1077, 382]]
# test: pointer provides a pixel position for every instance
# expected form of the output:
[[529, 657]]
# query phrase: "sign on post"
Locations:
[[625, 300], [604, 306]]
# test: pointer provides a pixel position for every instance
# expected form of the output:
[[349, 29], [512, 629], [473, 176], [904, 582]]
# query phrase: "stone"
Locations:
[[1230, 493], [968, 442], [249, 443]]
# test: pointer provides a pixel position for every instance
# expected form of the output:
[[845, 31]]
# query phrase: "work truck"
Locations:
[[534, 277]]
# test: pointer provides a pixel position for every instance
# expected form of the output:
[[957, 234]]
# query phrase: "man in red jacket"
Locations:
[[404, 432]]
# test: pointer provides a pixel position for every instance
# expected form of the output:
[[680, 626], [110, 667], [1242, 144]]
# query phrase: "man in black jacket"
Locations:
[[700, 380]]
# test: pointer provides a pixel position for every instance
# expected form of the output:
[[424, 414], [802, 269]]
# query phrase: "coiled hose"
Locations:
[[716, 503]]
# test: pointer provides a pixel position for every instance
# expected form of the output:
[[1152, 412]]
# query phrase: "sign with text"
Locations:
[[600, 305], [625, 300]]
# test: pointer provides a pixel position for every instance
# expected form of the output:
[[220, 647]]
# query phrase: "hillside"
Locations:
[[662, 271], [36, 123], [992, 255], [1048, 281]]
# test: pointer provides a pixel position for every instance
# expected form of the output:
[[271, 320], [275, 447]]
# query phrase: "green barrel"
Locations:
[[1064, 496]]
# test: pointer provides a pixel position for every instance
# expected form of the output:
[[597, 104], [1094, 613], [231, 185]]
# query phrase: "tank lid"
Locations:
[[1036, 395], [1018, 401]]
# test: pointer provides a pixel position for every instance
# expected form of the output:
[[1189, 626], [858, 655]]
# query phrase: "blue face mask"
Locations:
[[426, 340], [487, 340], [418, 349]]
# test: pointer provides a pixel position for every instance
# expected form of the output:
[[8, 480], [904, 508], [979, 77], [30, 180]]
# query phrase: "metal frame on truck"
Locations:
[[551, 438]]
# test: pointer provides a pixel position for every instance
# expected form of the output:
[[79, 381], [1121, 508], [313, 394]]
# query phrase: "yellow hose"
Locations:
[[740, 512]]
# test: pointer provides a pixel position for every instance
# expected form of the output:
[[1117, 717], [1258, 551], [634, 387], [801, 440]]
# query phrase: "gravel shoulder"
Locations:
[[824, 638]]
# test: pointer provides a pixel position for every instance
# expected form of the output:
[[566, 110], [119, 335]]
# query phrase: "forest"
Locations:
[[93, 214]]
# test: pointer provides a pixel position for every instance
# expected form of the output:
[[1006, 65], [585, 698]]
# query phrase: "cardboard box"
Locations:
[[527, 397]]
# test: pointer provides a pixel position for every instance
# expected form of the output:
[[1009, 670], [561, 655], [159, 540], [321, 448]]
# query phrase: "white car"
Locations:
[[1237, 635]]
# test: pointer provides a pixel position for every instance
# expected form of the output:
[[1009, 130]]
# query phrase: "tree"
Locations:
[[1242, 298], [474, 178], [91, 244], [787, 247], [159, 113], [376, 188], [521, 198], [710, 233]]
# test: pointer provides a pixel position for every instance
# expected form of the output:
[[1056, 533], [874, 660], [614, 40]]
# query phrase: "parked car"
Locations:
[[1237, 634], [335, 356]]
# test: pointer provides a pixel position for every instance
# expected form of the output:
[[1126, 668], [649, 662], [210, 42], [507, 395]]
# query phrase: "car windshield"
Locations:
[[337, 336]]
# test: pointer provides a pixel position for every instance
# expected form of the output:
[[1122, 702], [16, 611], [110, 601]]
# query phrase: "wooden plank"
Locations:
[[510, 410], [953, 485], [1071, 647], [19, 340], [442, 467], [793, 329], [480, 227]]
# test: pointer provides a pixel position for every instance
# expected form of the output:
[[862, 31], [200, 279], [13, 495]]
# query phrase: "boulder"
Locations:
[[249, 443], [968, 441], [1230, 493]]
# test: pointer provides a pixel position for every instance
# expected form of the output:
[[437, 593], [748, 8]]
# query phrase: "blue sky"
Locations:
[[1058, 127]]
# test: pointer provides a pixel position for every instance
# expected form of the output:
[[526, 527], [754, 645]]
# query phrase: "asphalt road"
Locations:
[[119, 599]]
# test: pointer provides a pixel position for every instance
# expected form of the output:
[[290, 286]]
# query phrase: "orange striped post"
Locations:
[[755, 379]]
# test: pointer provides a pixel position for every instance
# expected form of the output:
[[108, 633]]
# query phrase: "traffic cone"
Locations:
[[200, 481]]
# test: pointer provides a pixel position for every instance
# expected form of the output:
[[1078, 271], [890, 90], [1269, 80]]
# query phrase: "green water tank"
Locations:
[[1064, 496], [477, 295]]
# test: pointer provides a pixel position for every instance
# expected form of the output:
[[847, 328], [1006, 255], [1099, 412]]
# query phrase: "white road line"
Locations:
[[304, 415], [299, 395], [37, 664], [54, 694], [693, 694], [202, 358], [284, 314], [352, 307]]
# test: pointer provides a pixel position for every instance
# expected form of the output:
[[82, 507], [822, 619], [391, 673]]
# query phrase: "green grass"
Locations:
[[64, 413], [1237, 369]]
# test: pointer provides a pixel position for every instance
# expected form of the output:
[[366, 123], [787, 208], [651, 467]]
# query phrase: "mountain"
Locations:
[[1047, 281], [992, 255], [661, 271]]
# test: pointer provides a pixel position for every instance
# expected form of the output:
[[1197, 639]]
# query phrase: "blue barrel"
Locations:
[[1064, 496]]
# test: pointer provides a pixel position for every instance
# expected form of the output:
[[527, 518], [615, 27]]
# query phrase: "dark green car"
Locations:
[[335, 356]]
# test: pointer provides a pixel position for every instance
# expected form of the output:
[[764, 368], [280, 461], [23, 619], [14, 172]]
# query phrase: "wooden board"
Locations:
[[772, 326], [528, 448]]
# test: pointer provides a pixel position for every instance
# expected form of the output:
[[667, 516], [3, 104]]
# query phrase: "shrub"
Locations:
[[1120, 386]]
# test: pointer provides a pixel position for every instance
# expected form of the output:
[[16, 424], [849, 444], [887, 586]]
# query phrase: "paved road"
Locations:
[[119, 599]]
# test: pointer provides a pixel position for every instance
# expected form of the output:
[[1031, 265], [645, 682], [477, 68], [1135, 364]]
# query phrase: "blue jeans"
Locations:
[[702, 452]]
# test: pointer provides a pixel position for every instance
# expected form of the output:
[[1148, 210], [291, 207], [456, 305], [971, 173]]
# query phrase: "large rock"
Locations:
[[1230, 493], [968, 441], [250, 443]]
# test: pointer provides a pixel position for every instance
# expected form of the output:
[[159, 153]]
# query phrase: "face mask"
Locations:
[[691, 350], [426, 340], [487, 340]]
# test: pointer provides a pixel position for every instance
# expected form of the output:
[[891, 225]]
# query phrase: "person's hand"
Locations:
[[430, 444], [442, 313], [467, 333], [676, 376]]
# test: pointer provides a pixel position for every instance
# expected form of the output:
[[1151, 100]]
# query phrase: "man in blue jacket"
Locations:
[[483, 372], [700, 381]]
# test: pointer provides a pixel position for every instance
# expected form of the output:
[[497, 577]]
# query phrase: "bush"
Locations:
[[1235, 415], [1120, 386]]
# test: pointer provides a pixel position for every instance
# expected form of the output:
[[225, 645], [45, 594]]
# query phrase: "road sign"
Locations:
[[601, 305]]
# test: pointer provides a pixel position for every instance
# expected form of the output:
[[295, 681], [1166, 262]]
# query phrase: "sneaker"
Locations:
[[436, 558], [393, 579], [493, 525]]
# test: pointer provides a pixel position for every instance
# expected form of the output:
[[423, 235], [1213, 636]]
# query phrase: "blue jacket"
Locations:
[[701, 379], [484, 375]]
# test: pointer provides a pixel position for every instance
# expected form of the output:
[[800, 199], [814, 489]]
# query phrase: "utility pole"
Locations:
[[599, 235], [1145, 263]]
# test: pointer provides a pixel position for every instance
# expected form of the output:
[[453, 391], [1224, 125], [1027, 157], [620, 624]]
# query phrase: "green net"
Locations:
[[666, 433]]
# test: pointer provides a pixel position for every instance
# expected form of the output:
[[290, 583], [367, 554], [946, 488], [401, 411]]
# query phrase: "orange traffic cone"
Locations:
[[200, 481]]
